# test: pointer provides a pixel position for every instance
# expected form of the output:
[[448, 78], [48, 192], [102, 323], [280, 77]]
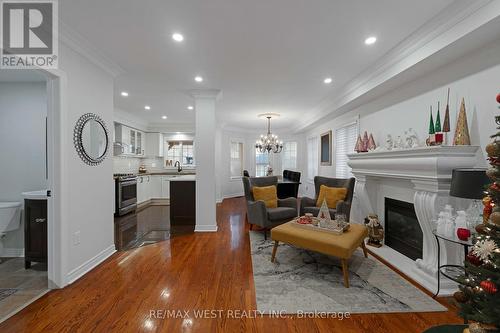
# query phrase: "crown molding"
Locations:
[[452, 23], [214, 94], [82, 46]]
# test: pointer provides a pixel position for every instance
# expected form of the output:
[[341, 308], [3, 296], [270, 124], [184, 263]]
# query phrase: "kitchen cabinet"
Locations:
[[154, 144], [141, 189], [155, 186], [165, 187], [132, 141], [35, 231]]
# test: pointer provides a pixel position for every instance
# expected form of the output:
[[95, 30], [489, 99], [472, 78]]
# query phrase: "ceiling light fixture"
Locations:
[[370, 40], [177, 37], [190, 107], [124, 93], [198, 79], [163, 117], [328, 80], [269, 143], [147, 107]]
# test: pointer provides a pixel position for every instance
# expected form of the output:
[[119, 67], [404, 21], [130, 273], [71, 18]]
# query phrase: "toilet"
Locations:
[[9, 219]]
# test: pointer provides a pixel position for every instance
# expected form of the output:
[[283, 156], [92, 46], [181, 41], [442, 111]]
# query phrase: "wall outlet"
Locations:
[[76, 238]]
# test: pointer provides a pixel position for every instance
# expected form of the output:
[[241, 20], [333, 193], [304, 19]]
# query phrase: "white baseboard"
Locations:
[[205, 228], [87, 266], [234, 195], [11, 252]]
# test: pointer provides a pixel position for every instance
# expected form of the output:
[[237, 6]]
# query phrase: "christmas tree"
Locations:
[[478, 296], [431, 124], [438, 122]]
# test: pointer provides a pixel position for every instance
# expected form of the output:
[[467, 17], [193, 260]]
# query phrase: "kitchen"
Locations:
[[154, 175]]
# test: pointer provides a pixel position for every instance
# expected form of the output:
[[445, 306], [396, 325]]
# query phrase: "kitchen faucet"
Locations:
[[178, 165]]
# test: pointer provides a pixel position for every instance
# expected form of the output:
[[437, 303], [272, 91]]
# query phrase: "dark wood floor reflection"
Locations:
[[186, 272]]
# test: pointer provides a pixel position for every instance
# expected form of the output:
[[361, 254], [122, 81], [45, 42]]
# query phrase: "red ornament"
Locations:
[[488, 286], [473, 259], [498, 98], [463, 234]]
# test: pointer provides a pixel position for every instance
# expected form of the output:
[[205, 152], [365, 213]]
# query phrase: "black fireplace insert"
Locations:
[[402, 230]]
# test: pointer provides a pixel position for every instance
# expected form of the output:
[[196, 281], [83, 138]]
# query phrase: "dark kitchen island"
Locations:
[[183, 201]]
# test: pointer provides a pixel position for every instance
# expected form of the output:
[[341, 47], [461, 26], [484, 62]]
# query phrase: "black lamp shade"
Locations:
[[469, 183]]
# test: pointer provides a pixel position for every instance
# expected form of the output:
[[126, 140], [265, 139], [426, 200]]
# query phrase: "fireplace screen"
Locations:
[[402, 230]]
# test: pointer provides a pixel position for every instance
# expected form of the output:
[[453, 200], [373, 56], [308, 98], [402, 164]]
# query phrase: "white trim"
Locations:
[[90, 264], [11, 252], [205, 228], [82, 46]]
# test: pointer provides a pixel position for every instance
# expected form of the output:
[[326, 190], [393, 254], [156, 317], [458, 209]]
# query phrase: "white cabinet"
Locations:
[[154, 144], [155, 183], [165, 187], [132, 141], [142, 189]]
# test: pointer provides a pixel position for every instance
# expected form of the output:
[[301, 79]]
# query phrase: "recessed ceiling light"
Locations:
[[177, 37], [370, 40], [147, 107], [163, 117], [198, 79], [328, 80], [124, 93], [190, 107]]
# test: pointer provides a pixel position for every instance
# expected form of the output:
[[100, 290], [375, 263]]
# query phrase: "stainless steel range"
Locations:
[[125, 193]]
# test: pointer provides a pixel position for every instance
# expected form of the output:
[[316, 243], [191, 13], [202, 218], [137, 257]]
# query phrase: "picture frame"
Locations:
[[326, 149]]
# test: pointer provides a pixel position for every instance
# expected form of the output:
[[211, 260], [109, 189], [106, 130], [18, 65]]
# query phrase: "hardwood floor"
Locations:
[[187, 272]]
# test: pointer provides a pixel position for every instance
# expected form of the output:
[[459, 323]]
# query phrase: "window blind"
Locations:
[[345, 141]]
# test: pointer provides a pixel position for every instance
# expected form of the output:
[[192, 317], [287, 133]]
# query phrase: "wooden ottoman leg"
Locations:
[[345, 271], [274, 250], [363, 246]]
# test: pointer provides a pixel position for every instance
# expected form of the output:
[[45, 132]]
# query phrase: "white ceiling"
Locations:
[[266, 56]]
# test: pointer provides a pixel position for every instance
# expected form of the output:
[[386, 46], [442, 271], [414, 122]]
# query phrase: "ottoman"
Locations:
[[341, 246]]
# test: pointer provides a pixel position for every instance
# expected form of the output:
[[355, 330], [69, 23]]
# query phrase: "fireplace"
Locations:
[[402, 230]]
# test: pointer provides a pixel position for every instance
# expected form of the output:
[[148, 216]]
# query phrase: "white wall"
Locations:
[[234, 187], [408, 106], [23, 108], [89, 193]]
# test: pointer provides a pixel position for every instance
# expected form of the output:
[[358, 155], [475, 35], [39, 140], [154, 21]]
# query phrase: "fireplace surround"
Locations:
[[420, 176]]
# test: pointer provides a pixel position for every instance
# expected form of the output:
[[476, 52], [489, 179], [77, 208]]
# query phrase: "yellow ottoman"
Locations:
[[341, 246]]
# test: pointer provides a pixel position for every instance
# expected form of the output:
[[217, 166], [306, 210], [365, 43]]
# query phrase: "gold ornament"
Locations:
[[462, 137], [495, 218], [493, 149]]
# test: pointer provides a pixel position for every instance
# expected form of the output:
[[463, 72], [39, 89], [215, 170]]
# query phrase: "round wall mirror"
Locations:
[[91, 139]]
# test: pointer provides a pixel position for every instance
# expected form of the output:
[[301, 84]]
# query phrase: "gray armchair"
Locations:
[[258, 213], [308, 205]]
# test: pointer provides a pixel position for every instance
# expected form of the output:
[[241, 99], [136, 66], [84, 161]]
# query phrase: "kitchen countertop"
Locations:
[[166, 173]]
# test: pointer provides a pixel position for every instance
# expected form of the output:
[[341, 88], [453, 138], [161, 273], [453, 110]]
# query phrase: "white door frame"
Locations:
[[57, 207]]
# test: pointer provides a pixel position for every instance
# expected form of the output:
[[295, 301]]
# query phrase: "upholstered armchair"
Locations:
[[308, 205], [258, 213]]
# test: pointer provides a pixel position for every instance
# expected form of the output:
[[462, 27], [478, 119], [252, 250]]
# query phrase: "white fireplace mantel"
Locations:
[[421, 176]]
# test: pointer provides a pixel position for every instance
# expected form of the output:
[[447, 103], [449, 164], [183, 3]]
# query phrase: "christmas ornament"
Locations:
[[462, 137], [495, 216], [488, 209], [498, 98], [488, 286], [473, 259], [484, 248], [460, 297], [493, 149], [463, 234], [492, 173], [482, 229], [480, 328]]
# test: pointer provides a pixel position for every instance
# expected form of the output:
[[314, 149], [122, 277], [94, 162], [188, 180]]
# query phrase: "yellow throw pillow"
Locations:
[[332, 195], [268, 194]]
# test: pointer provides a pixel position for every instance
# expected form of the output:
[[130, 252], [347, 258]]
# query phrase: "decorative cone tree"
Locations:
[[479, 297]]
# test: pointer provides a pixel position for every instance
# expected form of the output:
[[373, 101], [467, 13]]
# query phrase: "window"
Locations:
[[182, 151], [236, 159], [345, 141], [261, 162], [289, 156], [312, 157]]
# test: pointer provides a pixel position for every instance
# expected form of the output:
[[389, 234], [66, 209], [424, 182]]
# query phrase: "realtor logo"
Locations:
[[28, 36]]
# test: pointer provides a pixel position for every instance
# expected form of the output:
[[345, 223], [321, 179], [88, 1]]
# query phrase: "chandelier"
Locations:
[[269, 142]]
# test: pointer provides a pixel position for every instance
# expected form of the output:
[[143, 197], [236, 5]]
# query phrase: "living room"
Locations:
[[335, 163]]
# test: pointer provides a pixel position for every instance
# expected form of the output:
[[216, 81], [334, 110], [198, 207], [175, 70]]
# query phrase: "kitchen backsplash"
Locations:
[[131, 164]]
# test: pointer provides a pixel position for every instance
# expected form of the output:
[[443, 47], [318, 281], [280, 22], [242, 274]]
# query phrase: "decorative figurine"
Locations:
[[399, 144], [359, 145], [365, 142], [431, 140], [375, 231], [437, 130], [462, 137], [389, 143], [269, 170], [446, 122], [371, 143]]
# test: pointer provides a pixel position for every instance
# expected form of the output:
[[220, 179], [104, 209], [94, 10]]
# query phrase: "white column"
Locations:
[[204, 144]]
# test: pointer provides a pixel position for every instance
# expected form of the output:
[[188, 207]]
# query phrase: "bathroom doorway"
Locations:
[[24, 182]]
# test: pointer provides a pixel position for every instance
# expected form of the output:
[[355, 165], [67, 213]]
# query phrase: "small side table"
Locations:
[[452, 272]]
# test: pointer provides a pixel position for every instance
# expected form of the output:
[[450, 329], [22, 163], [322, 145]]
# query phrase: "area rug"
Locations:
[[4, 293], [306, 281]]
